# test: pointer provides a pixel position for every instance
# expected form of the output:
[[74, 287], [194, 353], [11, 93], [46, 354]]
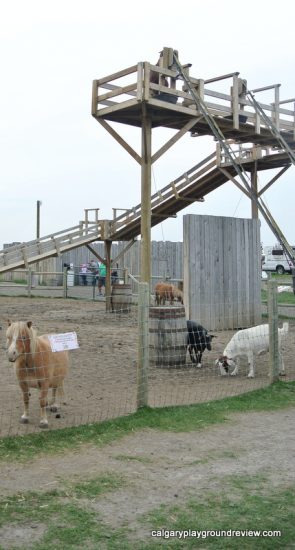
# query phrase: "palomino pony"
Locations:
[[36, 366]]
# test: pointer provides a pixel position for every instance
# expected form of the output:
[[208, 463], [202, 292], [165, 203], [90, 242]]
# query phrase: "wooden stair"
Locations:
[[24, 254], [188, 188]]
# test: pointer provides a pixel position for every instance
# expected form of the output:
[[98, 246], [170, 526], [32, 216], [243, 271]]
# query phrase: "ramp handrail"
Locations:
[[173, 190]]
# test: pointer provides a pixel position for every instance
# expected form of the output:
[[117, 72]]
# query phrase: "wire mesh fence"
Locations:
[[135, 354]]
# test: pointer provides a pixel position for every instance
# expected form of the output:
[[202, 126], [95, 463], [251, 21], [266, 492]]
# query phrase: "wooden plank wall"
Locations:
[[166, 259], [222, 271]]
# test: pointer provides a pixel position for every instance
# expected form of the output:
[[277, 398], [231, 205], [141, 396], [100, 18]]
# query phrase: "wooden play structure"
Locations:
[[250, 136]]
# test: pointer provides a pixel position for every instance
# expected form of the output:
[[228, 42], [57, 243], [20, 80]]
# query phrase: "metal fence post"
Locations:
[[293, 278], [143, 344], [65, 282], [273, 321]]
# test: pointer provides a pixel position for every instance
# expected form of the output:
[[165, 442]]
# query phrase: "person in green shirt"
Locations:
[[102, 277]]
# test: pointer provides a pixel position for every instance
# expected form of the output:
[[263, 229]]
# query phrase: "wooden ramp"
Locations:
[[188, 188], [23, 254]]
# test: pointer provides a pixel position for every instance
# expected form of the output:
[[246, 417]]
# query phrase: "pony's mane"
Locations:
[[21, 327]]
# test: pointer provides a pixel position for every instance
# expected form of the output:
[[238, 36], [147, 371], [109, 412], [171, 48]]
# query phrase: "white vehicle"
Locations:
[[275, 259]]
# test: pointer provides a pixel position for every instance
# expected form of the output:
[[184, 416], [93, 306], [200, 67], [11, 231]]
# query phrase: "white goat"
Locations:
[[250, 342]]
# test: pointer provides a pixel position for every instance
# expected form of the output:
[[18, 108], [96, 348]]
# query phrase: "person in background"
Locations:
[[114, 275], [155, 79], [94, 270], [83, 274], [102, 277]]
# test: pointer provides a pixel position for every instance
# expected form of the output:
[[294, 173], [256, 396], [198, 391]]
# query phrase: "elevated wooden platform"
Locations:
[[133, 95], [129, 89]]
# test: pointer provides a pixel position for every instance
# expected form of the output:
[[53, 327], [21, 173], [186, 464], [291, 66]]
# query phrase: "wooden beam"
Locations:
[[231, 178], [254, 188], [146, 147], [267, 186], [93, 251], [94, 98], [117, 75], [119, 256], [235, 102], [120, 140], [175, 138]]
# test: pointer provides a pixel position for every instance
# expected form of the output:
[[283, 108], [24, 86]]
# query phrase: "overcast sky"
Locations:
[[54, 151]]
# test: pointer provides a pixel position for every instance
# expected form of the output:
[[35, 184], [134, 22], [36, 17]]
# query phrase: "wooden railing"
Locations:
[[174, 190], [50, 245], [132, 85]]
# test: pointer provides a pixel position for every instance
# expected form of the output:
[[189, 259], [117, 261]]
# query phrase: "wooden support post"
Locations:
[[94, 97], [125, 276], [29, 282], [38, 219], [108, 248], [272, 302], [143, 345], [146, 200], [86, 210], [276, 116], [235, 101], [254, 207], [167, 57]]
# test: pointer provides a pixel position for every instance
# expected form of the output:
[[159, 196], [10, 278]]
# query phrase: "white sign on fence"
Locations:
[[63, 342]]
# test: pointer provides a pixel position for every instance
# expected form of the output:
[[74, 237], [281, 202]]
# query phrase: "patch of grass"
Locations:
[[68, 525], [286, 298], [243, 504], [127, 458], [94, 487], [239, 508], [199, 461], [256, 483], [31, 505], [25, 506], [176, 419], [283, 297], [285, 278]]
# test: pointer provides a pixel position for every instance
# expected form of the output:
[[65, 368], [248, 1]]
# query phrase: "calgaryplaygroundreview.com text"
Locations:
[[202, 534]]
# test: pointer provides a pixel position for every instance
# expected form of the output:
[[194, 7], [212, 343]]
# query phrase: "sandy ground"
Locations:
[[102, 382]]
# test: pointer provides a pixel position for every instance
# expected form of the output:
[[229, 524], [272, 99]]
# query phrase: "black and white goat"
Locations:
[[198, 339], [253, 341]]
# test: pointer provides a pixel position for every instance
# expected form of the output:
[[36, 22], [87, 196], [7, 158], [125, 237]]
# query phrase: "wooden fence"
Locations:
[[166, 261], [222, 271]]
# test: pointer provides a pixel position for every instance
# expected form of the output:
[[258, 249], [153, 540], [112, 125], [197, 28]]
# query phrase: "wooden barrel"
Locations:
[[121, 298], [167, 336]]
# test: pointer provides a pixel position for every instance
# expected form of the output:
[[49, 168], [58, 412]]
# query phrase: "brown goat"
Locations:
[[167, 291]]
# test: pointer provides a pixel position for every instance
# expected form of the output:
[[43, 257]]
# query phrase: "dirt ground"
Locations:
[[102, 382], [161, 468]]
